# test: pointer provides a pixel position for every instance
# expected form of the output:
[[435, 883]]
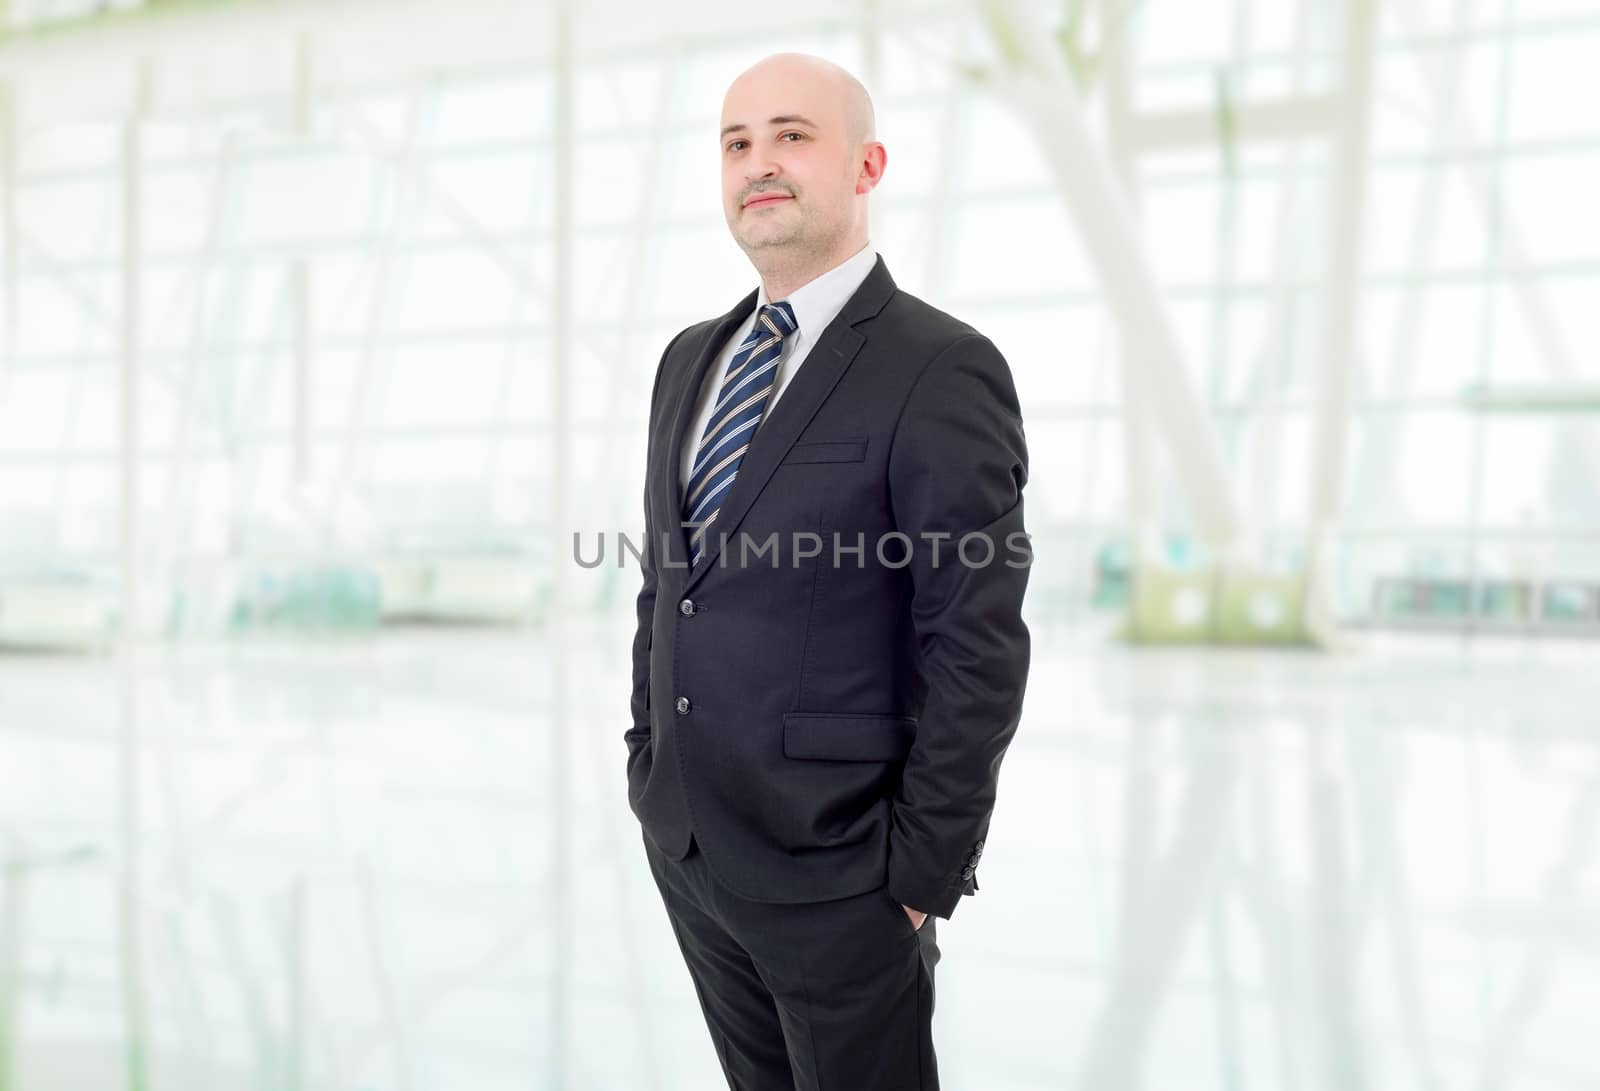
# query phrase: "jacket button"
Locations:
[[967, 872], [686, 608], [979, 846], [682, 706]]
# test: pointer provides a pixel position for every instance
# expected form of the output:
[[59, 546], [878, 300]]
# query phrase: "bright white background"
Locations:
[[343, 807]]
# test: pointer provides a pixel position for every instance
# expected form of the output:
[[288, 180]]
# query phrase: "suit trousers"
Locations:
[[815, 996]]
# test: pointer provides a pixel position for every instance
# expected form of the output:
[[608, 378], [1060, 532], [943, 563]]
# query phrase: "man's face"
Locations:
[[788, 168]]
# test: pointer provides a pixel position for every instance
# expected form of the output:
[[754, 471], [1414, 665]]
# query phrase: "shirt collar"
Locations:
[[818, 301]]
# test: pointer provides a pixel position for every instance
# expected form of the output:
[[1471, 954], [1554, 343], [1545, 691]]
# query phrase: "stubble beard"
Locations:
[[757, 237], [798, 246]]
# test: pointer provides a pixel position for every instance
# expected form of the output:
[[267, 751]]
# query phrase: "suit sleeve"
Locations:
[[645, 605], [957, 466]]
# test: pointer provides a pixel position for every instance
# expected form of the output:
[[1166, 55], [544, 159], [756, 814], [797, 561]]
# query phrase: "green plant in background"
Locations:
[[323, 598]]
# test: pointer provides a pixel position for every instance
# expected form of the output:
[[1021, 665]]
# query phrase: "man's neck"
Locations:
[[783, 280]]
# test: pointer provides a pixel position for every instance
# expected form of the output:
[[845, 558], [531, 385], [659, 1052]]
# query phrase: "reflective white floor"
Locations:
[[409, 864]]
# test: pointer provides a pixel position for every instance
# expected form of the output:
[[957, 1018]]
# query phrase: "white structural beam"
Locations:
[[8, 234], [1374, 485], [1342, 308], [1277, 341], [563, 347], [130, 916], [560, 857], [1342, 311], [129, 377], [300, 287], [1037, 82], [13, 905], [300, 373], [937, 214], [1138, 428], [1248, 122]]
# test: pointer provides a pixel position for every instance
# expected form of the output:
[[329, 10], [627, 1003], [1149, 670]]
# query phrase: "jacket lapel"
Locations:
[[808, 388], [670, 512]]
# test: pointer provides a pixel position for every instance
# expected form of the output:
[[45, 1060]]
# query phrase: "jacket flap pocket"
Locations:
[[848, 736], [835, 450]]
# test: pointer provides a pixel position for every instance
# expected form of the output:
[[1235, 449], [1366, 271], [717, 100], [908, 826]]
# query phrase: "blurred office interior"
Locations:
[[325, 325]]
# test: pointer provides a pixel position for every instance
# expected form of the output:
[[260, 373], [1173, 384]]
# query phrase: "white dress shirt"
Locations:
[[816, 303]]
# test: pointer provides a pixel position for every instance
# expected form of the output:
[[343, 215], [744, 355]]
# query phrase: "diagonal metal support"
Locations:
[[1039, 85]]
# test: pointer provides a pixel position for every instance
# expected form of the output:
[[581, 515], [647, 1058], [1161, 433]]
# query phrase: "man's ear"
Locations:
[[872, 166]]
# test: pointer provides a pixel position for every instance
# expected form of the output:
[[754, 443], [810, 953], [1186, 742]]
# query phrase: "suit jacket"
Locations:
[[821, 728]]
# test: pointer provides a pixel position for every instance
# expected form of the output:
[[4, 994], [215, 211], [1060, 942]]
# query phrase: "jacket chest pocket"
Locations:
[[833, 450]]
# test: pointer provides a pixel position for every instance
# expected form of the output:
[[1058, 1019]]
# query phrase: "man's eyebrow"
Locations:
[[781, 119]]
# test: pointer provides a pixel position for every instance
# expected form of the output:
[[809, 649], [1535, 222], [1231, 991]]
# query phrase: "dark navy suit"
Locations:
[[829, 732]]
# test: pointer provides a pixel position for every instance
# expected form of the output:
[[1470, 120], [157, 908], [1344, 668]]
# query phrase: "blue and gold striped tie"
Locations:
[[741, 401]]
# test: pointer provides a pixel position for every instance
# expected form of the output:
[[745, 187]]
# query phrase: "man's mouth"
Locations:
[[761, 199]]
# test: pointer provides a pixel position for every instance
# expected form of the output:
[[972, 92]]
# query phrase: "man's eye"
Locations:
[[801, 135], [735, 145]]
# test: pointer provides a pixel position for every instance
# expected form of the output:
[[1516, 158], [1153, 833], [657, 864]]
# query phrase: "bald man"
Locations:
[[830, 656]]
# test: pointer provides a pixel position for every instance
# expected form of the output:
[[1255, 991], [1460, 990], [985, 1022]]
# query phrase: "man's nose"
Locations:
[[759, 170]]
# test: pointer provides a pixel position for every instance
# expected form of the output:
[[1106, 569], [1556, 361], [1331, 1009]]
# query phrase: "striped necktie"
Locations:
[[741, 401]]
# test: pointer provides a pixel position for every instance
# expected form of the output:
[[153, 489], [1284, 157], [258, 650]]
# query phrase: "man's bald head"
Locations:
[[800, 154], [849, 94]]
